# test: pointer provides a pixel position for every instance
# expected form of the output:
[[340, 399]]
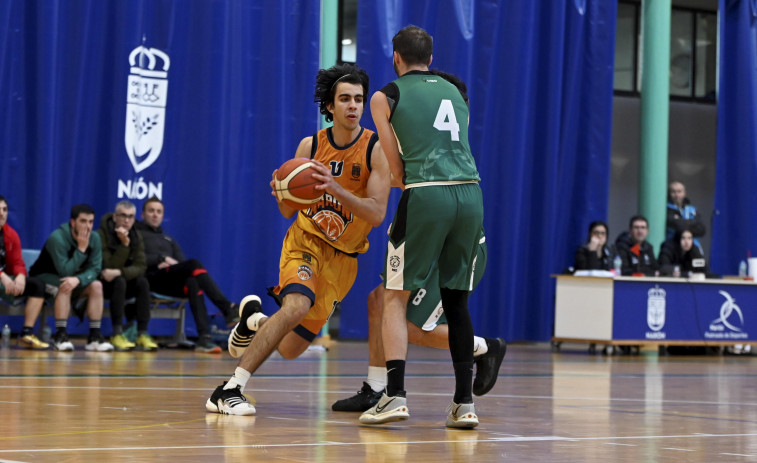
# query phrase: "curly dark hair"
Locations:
[[326, 80]]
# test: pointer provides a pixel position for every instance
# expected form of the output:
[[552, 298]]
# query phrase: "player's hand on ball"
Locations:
[[273, 185], [323, 175], [295, 184]]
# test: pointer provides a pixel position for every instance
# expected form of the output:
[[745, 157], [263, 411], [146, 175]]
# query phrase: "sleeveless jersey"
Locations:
[[430, 119], [350, 165]]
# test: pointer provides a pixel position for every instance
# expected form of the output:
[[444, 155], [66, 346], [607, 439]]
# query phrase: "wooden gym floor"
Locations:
[[546, 407]]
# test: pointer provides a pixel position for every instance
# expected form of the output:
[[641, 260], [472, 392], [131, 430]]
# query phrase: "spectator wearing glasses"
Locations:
[[634, 250], [123, 276]]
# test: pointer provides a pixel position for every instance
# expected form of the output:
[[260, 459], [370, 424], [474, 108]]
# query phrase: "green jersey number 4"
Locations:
[[446, 120]]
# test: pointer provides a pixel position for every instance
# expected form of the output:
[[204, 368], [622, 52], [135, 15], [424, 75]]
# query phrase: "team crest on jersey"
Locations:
[[304, 272], [147, 91], [356, 168]]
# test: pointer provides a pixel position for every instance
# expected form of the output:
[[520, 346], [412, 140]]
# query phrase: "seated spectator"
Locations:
[[13, 281], [679, 257], [172, 274], [595, 254], [681, 215], [635, 252], [71, 261], [123, 275]]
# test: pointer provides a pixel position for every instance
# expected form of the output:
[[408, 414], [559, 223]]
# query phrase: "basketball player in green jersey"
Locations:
[[426, 326], [437, 221]]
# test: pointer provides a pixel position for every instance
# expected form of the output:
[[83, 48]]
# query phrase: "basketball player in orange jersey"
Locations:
[[318, 257]]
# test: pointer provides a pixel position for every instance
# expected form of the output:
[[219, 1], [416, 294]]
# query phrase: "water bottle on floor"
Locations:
[[46, 333], [6, 336]]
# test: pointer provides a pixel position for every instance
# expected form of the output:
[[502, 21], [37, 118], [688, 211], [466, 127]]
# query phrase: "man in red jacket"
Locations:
[[13, 281]]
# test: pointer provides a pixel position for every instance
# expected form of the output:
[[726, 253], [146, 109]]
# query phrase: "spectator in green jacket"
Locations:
[[69, 264]]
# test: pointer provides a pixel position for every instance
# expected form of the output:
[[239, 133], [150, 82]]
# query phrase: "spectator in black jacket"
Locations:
[[680, 257], [595, 254], [170, 273], [634, 250]]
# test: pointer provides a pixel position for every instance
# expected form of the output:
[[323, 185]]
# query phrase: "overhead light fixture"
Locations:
[[346, 41]]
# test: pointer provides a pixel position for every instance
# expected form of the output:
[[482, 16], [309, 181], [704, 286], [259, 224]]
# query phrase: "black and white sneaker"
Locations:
[[250, 305], [238, 343], [360, 402], [487, 366], [229, 402], [61, 342], [241, 335], [98, 344]]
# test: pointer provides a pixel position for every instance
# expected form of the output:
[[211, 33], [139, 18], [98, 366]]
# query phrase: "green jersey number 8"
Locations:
[[446, 120]]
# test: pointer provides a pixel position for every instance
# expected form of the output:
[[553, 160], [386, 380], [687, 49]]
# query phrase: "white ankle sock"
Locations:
[[240, 378], [479, 346], [376, 378], [253, 322]]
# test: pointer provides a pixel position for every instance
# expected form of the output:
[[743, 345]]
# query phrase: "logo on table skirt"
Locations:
[[146, 94], [656, 308], [730, 313]]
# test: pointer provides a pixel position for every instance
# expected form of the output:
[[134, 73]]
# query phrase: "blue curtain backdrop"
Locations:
[[221, 93], [232, 101], [539, 75], [736, 165]]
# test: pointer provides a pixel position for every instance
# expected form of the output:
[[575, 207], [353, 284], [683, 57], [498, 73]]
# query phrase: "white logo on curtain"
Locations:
[[146, 95]]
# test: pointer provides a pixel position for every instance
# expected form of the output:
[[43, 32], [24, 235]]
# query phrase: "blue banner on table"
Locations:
[[657, 311]]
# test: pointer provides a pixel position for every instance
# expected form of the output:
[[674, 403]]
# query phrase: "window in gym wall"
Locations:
[[625, 48], [693, 52], [681, 56], [705, 58], [347, 31]]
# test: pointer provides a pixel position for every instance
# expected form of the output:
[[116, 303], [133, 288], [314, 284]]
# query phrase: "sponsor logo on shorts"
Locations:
[[304, 272], [394, 263], [307, 257]]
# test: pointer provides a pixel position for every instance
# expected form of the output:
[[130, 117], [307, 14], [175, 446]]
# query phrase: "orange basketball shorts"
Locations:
[[312, 267]]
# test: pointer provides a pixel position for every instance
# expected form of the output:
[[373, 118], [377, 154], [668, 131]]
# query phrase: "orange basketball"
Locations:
[[295, 185]]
